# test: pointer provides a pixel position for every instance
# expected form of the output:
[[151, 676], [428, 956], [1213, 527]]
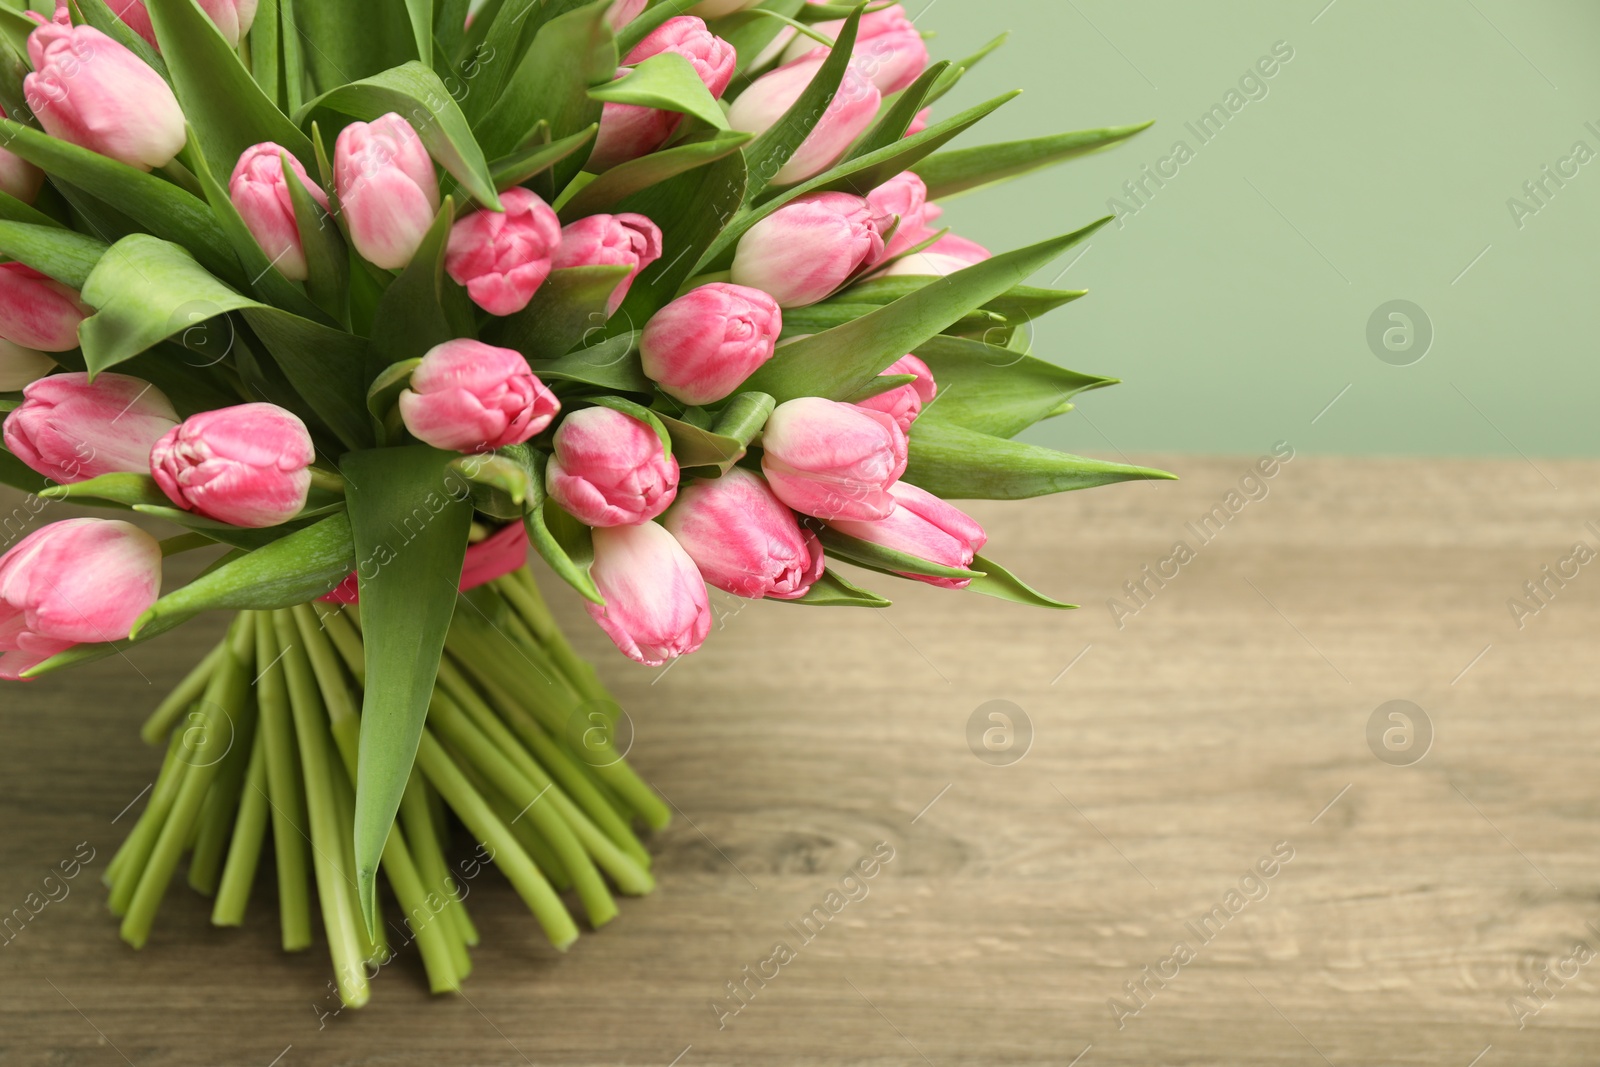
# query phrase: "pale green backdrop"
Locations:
[[1234, 303]]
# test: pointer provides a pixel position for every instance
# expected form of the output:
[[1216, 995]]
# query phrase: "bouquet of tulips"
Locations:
[[371, 297]]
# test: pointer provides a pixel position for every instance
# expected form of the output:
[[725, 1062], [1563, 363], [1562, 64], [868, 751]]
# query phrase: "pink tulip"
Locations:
[[245, 465], [628, 131], [809, 247], [19, 179], [387, 189], [20, 366], [75, 581], [260, 193], [467, 396], [70, 429], [606, 240], [502, 257], [88, 89], [833, 460], [656, 607], [232, 17], [702, 345], [888, 49], [743, 539], [609, 469], [39, 312], [852, 110], [904, 197], [623, 12], [945, 256], [904, 403], [924, 526]]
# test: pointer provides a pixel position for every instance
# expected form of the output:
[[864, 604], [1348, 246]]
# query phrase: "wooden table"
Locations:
[[1227, 718]]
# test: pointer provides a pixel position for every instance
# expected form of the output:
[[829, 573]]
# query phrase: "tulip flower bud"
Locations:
[[743, 539], [702, 345], [260, 193], [716, 9], [232, 17], [467, 396], [945, 256], [623, 12], [656, 607], [905, 197], [809, 247], [76, 581], [904, 403], [387, 189], [628, 131], [604, 240], [609, 469], [852, 110], [245, 465], [19, 366], [888, 49], [833, 460], [924, 526], [19, 179], [39, 312], [502, 257], [88, 89], [70, 429]]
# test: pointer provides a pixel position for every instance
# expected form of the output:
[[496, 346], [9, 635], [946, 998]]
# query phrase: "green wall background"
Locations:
[[1378, 166]]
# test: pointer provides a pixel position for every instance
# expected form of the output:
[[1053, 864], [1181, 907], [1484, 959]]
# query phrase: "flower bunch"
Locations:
[[655, 287]]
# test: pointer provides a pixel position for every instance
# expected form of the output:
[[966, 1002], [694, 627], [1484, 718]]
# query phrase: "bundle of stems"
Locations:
[[520, 747]]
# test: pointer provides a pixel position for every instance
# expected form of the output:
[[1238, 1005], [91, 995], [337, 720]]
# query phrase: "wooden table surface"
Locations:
[[1225, 725]]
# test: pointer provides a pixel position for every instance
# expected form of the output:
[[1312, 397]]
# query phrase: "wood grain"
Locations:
[[1227, 716]]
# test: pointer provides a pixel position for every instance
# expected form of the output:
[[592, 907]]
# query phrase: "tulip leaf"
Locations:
[[266, 38], [896, 119], [814, 318], [410, 533], [691, 210], [832, 590], [295, 75], [14, 210], [743, 416], [223, 103], [767, 154], [570, 54], [118, 487], [696, 447], [636, 175], [421, 12], [1020, 303], [668, 82], [327, 258], [166, 210], [567, 310], [883, 558], [749, 32], [412, 316], [98, 13], [954, 74], [956, 463], [563, 541], [415, 92], [609, 364], [65, 255], [327, 367], [963, 169], [350, 41], [997, 391], [837, 362], [998, 582], [526, 163]]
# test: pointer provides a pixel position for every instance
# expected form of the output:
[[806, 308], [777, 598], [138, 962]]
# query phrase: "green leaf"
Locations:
[[743, 416], [415, 92], [421, 12], [832, 590], [883, 558], [767, 154], [612, 363], [65, 255], [14, 210], [291, 570], [519, 166], [997, 391], [350, 41], [220, 99], [962, 169], [696, 447], [840, 361], [814, 318], [327, 258], [266, 65], [749, 32], [636, 175], [295, 75], [98, 14], [1020, 303], [668, 82], [691, 210], [118, 487], [164, 209], [327, 367], [957, 463], [563, 541], [570, 54], [410, 531], [954, 74], [568, 309], [412, 315], [891, 127], [1001, 583]]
